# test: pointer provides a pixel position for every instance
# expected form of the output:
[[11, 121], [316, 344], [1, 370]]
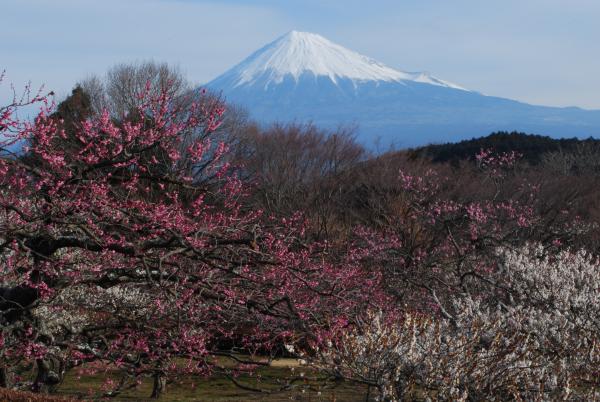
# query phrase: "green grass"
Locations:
[[221, 389]]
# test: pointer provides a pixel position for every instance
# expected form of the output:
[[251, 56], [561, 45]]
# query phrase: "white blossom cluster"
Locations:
[[74, 308], [539, 342], [561, 292]]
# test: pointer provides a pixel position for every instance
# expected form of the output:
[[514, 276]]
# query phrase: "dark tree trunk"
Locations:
[[46, 378], [4, 382], [159, 386], [41, 379], [14, 302]]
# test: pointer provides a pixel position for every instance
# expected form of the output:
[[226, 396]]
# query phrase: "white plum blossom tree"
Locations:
[[536, 341]]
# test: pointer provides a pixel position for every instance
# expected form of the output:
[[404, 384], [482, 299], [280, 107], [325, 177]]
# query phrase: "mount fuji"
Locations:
[[304, 77]]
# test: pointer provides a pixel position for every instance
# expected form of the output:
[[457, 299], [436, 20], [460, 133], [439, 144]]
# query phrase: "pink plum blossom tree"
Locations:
[[117, 252]]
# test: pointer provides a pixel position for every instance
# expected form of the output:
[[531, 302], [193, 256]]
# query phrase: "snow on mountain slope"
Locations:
[[303, 77], [298, 53]]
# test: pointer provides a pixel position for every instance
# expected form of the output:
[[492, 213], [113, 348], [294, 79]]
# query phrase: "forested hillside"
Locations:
[[532, 147]]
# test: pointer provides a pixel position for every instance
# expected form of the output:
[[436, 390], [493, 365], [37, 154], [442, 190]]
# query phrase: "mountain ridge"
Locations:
[[305, 77]]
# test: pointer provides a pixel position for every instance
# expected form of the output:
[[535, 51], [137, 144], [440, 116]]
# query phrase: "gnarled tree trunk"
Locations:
[[46, 377], [159, 386], [4, 382]]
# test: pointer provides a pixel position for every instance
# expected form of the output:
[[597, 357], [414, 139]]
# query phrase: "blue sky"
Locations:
[[538, 51]]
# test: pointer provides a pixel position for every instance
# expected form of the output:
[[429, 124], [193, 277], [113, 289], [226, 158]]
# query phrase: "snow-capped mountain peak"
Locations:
[[303, 77], [298, 53]]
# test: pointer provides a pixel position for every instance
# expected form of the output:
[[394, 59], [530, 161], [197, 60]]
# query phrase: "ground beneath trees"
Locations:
[[221, 389]]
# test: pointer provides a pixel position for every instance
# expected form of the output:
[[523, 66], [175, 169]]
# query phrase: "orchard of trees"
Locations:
[[149, 229]]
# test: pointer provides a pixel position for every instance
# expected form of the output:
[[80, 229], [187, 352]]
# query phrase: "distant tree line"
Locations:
[[532, 147]]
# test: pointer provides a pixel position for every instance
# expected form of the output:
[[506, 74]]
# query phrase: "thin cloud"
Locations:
[[538, 51]]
